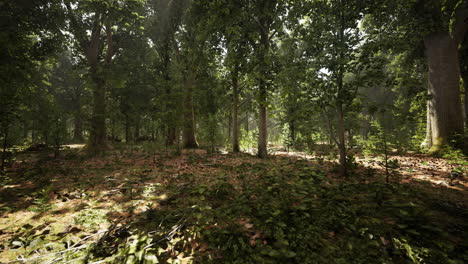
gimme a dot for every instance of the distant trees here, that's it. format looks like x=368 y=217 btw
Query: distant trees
x=239 y=73
x=30 y=33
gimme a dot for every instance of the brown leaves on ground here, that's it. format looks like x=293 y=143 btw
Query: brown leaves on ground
x=122 y=185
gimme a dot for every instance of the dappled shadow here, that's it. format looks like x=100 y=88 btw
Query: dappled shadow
x=144 y=189
x=409 y=167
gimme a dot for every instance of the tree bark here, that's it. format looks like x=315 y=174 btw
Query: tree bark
x=444 y=105
x=137 y=129
x=170 y=136
x=262 y=94
x=97 y=141
x=340 y=100
x=292 y=134
x=127 y=129
x=341 y=141
x=464 y=75
x=247 y=123
x=4 y=148
x=466 y=102
x=169 y=119
x=189 y=139
x=98 y=136
x=428 y=140
x=235 y=108
x=78 y=128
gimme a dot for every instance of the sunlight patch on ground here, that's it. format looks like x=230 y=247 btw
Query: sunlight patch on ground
x=74 y=146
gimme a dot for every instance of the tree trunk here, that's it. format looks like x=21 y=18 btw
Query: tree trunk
x=444 y=106
x=229 y=125
x=169 y=119
x=247 y=123
x=25 y=130
x=262 y=122
x=341 y=141
x=262 y=94
x=4 y=148
x=78 y=128
x=235 y=108
x=98 y=137
x=464 y=75
x=189 y=115
x=97 y=141
x=340 y=101
x=292 y=133
x=466 y=102
x=465 y=139
x=33 y=132
x=127 y=129
x=137 y=129
x=170 y=135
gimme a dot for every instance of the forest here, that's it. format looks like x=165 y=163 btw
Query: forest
x=233 y=131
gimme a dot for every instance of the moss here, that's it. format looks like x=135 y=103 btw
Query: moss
x=437 y=146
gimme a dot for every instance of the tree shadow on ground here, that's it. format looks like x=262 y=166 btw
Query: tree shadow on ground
x=237 y=195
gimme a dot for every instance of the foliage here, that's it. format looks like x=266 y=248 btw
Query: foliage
x=141 y=79
x=308 y=221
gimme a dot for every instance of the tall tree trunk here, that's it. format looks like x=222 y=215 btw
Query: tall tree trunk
x=444 y=106
x=25 y=130
x=262 y=122
x=465 y=139
x=464 y=75
x=112 y=132
x=171 y=136
x=4 y=148
x=137 y=129
x=428 y=140
x=341 y=99
x=78 y=128
x=98 y=136
x=169 y=120
x=292 y=133
x=77 y=116
x=262 y=94
x=341 y=141
x=127 y=129
x=247 y=128
x=189 y=115
x=97 y=141
x=466 y=102
x=235 y=108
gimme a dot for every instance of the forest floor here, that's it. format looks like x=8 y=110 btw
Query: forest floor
x=133 y=205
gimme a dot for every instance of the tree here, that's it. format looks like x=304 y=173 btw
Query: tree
x=464 y=75
x=229 y=19
x=438 y=28
x=24 y=43
x=164 y=23
x=445 y=118
x=104 y=20
x=333 y=36
x=265 y=23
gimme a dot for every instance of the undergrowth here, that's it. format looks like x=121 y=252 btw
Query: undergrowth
x=278 y=211
x=293 y=216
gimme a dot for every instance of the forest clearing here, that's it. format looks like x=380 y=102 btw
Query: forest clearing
x=233 y=131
